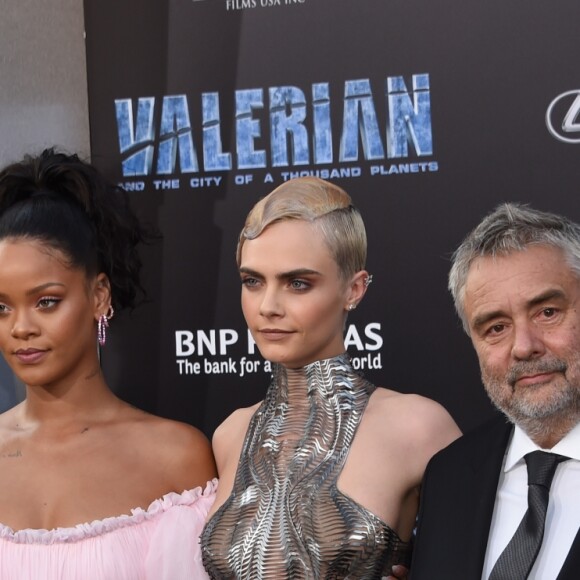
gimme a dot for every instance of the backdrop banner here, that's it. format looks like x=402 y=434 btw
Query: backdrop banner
x=428 y=113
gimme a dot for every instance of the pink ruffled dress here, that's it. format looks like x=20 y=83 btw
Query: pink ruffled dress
x=159 y=543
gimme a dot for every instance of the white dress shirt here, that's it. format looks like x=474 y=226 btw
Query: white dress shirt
x=511 y=503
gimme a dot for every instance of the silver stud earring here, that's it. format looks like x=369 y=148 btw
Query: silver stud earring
x=368 y=280
x=351 y=307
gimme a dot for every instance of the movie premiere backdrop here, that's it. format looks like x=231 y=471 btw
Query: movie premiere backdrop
x=428 y=113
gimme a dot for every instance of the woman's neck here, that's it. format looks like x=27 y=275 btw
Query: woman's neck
x=297 y=384
x=74 y=401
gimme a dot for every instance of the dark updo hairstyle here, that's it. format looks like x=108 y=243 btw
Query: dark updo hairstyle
x=67 y=204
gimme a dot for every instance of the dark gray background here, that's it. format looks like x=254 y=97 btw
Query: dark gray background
x=494 y=68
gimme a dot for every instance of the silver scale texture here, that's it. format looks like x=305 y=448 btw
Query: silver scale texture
x=286 y=517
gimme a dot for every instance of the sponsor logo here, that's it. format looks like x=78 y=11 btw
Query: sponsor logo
x=563 y=117
x=209 y=352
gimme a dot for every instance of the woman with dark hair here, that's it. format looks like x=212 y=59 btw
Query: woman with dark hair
x=91 y=487
x=321 y=479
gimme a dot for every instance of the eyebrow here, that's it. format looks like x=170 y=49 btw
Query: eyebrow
x=550 y=294
x=282 y=275
x=39 y=288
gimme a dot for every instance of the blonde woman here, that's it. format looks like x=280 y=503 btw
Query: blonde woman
x=320 y=479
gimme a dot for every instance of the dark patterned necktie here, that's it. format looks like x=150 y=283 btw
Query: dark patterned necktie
x=516 y=561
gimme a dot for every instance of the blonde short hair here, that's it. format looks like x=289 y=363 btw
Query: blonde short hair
x=324 y=204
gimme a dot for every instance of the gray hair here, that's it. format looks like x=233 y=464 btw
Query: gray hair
x=511 y=228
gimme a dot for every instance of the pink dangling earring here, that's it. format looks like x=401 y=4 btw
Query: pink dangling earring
x=103 y=324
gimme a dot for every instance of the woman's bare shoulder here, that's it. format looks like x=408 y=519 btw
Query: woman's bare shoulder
x=9 y=418
x=234 y=425
x=176 y=432
x=184 y=450
x=228 y=438
x=420 y=422
x=10 y=428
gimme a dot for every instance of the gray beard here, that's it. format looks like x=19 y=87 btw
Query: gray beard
x=552 y=416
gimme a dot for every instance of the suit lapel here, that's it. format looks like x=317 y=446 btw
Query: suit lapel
x=571 y=568
x=486 y=464
x=486 y=469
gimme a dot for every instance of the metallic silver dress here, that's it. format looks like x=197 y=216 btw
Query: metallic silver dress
x=285 y=518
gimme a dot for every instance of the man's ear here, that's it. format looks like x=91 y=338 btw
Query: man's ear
x=102 y=295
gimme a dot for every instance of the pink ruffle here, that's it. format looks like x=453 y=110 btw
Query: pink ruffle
x=100 y=527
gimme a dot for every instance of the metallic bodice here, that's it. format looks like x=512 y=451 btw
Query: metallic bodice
x=285 y=517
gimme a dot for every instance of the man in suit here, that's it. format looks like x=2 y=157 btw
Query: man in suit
x=515 y=281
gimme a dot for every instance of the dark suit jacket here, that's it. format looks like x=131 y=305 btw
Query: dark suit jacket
x=457 y=501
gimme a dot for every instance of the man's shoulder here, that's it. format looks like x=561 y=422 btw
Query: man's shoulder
x=492 y=433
